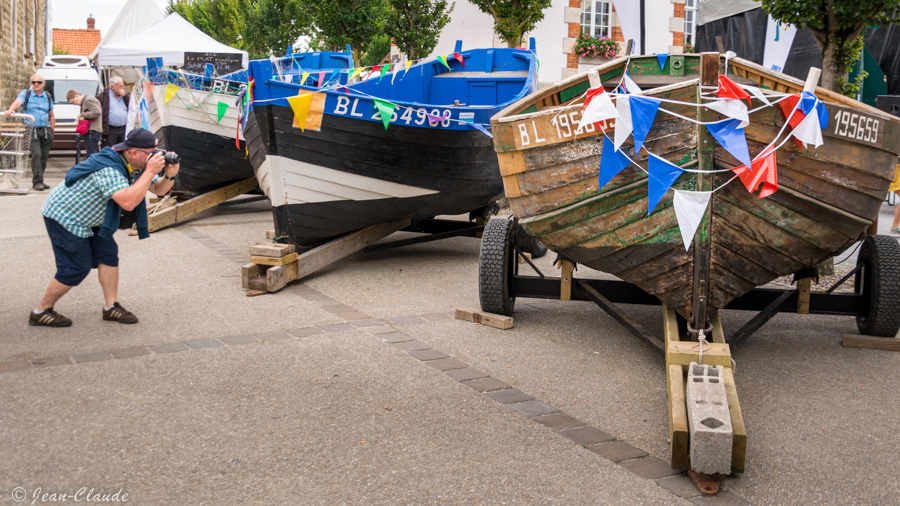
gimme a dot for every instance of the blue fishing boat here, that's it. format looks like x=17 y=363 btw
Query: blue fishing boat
x=411 y=143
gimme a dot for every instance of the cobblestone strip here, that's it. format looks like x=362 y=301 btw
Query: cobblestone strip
x=591 y=438
x=209 y=242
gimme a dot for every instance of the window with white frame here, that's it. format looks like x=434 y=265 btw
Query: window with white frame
x=690 y=22
x=596 y=18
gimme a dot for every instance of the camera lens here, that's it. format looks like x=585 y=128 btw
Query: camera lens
x=172 y=158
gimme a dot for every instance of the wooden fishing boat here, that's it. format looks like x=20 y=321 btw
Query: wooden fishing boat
x=211 y=145
x=347 y=169
x=826 y=197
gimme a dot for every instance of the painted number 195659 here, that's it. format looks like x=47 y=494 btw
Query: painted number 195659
x=856 y=126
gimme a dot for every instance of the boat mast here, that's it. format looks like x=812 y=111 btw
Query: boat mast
x=706 y=150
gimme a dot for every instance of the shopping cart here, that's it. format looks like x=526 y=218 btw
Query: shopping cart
x=15 y=151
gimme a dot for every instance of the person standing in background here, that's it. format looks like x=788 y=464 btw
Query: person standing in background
x=90 y=110
x=114 y=105
x=39 y=104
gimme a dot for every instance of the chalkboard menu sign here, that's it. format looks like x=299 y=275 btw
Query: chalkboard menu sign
x=223 y=63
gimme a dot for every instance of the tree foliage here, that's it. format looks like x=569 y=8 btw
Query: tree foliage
x=837 y=26
x=513 y=18
x=354 y=22
x=260 y=27
x=415 y=25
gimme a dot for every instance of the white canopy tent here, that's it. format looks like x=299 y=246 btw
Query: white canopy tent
x=169 y=38
x=134 y=17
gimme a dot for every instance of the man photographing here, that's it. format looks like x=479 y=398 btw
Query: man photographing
x=114 y=106
x=82 y=215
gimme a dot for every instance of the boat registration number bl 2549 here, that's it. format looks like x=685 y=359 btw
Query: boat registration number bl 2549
x=859 y=127
x=407 y=115
x=549 y=129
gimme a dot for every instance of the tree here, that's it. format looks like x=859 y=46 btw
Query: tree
x=415 y=25
x=513 y=18
x=270 y=26
x=260 y=27
x=837 y=26
x=354 y=22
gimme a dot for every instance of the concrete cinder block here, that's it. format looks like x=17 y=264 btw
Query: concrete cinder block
x=709 y=420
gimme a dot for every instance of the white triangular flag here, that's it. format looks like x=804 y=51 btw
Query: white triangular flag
x=600 y=108
x=808 y=131
x=733 y=108
x=689 y=209
x=623 y=124
x=630 y=85
x=756 y=92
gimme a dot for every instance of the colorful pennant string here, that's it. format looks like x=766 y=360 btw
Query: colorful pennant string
x=222 y=108
x=386 y=110
x=689 y=209
x=171 y=90
x=300 y=106
x=732 y=138
x=643 y=113
x=661 y=175
x=762 y=171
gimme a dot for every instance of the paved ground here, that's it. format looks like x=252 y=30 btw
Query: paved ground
x=357 y=386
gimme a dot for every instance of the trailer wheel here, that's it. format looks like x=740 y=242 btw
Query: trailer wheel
x=879 y=282
x=529 y=244
x=496 y=267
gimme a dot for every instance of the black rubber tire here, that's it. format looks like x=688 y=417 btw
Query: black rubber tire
x=529 y=244
x=496 y=267
x=879 y=282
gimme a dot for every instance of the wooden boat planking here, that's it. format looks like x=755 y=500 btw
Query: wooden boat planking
x=824 y=203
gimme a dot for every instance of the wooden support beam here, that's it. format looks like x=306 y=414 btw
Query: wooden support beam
x=336 y=249
x=188 y=208
x=490 y=319
x=872 y=343
x=803 y=288
x=565 y=279
x=739 y=445
x=678 y=421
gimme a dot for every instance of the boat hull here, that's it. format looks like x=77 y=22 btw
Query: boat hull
x=188 y=125
x=352 y=174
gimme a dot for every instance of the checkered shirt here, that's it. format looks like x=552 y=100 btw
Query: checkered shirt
x=82 y=206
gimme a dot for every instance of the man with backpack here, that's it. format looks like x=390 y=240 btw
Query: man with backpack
x=39 y=104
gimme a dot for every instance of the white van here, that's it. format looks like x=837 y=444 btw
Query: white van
x=61 y=74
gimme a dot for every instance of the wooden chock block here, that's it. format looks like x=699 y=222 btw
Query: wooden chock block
x=272 y=250
x=685 y=352
x=522 y=256
x=270 y=234
x=291 y=257
x=872 y=343
x=490 y=319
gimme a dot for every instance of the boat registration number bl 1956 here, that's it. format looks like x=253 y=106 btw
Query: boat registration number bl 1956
x=859 y=127
x=549 y=129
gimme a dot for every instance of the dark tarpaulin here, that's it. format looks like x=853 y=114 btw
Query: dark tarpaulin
x=745 y=34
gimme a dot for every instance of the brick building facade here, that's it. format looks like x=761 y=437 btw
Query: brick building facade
x=23 y=43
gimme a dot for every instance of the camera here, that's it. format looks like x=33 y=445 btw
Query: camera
x=171 y=158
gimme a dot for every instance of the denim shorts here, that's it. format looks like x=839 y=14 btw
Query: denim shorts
x=76 y=256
